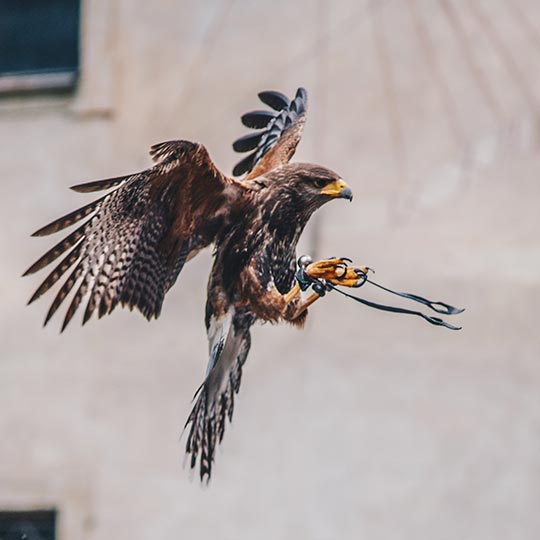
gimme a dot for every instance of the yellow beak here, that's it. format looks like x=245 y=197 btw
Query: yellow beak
x=338 y=189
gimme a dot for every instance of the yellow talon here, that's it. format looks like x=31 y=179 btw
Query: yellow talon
x=337 y=271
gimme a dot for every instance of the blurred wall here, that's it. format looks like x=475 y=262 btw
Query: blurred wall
x=366 y=424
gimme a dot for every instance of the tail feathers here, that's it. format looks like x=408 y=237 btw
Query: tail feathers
x=214 y=405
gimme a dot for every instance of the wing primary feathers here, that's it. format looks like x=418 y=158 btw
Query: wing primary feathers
x=275 y=100
x=55 y=252
x=99 y=185
x=280 y=133
x=79 y=295
x=257 y=119
x=91 y=305
x=70 y=219
x=300 y=101
x=244 y=166
x=247 y=142
x=64 y=291
x=58 y=272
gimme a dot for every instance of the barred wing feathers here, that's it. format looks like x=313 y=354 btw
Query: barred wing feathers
x=279 y=135
x=138 y=236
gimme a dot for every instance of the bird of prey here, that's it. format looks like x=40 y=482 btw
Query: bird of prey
x=134 y=241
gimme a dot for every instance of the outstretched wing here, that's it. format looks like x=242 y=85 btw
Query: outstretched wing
x=138 y=236
x=279 y=134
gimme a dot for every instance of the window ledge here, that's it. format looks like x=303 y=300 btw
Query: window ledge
x=37 y=82
x=87 y=94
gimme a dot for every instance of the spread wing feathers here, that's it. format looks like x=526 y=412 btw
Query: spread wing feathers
x=99 y=185
x=274 y=99
x=229 y=346
x=280 y=133
x=138 y=236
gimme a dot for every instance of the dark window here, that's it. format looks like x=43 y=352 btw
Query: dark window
x=39 y=40
x=29 y=525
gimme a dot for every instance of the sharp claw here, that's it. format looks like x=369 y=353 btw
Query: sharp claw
x=363 y=277
x=364 y=270
x=344 y=268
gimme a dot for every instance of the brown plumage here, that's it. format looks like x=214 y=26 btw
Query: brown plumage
x=134 y=241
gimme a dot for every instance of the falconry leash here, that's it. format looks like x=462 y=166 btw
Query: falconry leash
x=322 y=286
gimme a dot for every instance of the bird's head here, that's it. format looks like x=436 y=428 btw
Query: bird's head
x=310 y=186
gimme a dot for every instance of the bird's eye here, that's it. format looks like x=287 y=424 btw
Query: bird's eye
x=319 y=183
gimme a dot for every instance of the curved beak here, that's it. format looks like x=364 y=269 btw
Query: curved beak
x=338 y=189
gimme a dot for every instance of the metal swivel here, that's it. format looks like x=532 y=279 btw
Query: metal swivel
x=304 y=261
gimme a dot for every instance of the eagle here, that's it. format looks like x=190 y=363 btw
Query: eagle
x=132 y=243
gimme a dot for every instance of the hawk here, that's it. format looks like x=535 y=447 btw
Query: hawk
x=134 y=241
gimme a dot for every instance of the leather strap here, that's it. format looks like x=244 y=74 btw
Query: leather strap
x=320 y=286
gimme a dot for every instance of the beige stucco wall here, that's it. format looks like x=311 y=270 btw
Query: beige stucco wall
x=367 y=424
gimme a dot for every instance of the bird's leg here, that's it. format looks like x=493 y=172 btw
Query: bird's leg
x=295 y=305
x=336 y=271
x=291 y=313
x=301 y=306
x=292 y=294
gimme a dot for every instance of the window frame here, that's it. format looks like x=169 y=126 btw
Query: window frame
x=47 y=79
x=44 y=520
